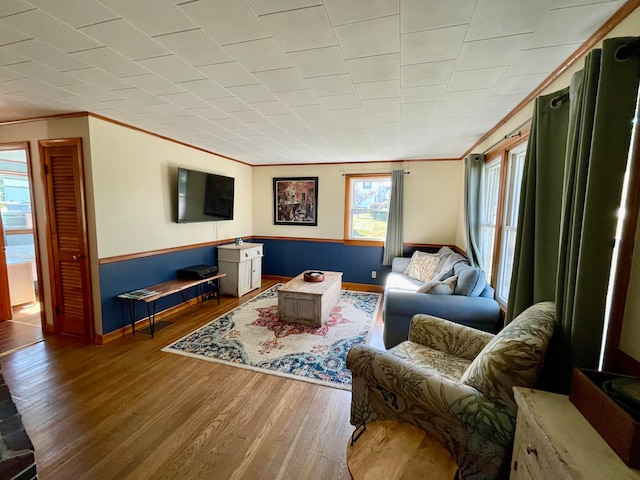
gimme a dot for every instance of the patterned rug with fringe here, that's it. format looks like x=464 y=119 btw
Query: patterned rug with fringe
x=252 y=337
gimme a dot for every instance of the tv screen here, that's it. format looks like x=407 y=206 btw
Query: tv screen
x=204 y=197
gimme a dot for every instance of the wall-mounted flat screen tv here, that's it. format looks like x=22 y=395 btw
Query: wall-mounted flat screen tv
x=204 y=197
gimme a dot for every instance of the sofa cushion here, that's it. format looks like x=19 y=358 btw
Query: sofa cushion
x=471 y=280
x=514 y=357
x=422 y=266
x=440 y=287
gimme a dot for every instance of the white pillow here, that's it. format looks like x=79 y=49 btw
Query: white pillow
x=443 y=287
x=422 y=266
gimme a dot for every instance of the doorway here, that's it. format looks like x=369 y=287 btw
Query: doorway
x=20 y=305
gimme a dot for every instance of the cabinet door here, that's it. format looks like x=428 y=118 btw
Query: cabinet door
x=256 y=273
x=244 y=277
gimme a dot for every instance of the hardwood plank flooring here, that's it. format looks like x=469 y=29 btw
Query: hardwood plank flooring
x=125 y=410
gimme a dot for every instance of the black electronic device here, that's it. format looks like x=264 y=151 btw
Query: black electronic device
x=204 y=197
x=197 y=272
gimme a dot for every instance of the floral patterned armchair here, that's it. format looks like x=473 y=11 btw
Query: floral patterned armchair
x=456 y=383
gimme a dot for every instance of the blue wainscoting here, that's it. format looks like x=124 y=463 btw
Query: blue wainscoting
x=127 y=275
x=282 y=257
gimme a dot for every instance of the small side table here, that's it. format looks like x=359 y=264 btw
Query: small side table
x=390 y=450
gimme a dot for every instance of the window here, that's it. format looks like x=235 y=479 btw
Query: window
x=367 y=206
x=500 y=201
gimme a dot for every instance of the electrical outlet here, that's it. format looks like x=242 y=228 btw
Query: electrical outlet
x=373 y=274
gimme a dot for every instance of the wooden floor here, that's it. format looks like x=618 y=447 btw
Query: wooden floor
x=126 y=410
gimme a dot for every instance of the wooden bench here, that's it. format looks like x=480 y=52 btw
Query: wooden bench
x=151 y=294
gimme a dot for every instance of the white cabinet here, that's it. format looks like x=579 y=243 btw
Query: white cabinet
x=553 y=440
x=243 y=266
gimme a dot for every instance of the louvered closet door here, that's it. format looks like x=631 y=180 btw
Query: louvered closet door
x=67 y=236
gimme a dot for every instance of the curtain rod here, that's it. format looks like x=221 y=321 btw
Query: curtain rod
x=369 y=174
x=513 y=133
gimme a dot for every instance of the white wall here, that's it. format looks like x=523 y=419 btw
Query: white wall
x=134 y=185
x=430 y=202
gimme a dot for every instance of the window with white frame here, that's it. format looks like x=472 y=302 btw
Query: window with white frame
x=367 y=203
x=510 y=220
x=490 y=190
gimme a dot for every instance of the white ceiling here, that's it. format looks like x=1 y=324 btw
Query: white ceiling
x=290 y=81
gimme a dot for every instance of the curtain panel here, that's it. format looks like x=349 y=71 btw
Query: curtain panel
x=473 y=164
x=571 y=193
x=393 y=245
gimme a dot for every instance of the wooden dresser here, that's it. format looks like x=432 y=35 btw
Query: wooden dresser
x=243 y=266
x=554 y=441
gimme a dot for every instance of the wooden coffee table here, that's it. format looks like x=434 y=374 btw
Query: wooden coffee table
x=389 y=450
x=309 y=303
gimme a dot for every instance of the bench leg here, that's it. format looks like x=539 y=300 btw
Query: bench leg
x=151 y=312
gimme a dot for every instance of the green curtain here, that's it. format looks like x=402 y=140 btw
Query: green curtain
x=473 y=176
x=570 y=201
x=393 y=245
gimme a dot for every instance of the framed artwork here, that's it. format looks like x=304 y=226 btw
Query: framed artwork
x=295 y=201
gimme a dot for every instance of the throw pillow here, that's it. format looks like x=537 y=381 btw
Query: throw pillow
x=471 y=280
x=422 y=266
x=443 y=287
x=514 y=357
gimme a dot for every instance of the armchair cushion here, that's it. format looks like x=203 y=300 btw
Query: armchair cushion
x=435 y=362
x=514 y=357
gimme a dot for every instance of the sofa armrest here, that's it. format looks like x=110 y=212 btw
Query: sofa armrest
x=399 y=264
x=446 y=336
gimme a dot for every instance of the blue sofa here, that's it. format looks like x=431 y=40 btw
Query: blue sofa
x=472 y=304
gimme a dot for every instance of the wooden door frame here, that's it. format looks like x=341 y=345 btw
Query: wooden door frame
x=26 y=146
x=53 y=281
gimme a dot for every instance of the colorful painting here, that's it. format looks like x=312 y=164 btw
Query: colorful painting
x=295 y=201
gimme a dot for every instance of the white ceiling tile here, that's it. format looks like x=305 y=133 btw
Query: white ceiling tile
x=282 y=79
x=185 y=100
x=335 y=102
x=298 y=97
x=269 y=108
x=310 y=111
x=43 y=53
x=540 y=60
x=560 y=28
x=229 y=104
x=262 y=7
x=331 y=85
x=50 y=30
x=456 y=111
x=248 y=116
x=285 y=119
x=376 y=68
x=472 y=79
x=227 y=21
x=319 y=62
x=424 y=93
x=370 y=37
x=384 y=117
x=417 y=15
x=209 y=113
x=385 y=89
x=342 y=12
x=171 y=68
x=10 y=58
x=432 y=45
x=89 y=91
x=421 y=108
x=11 y=35
x=500 y=102
x=109 y=61
x=170 y=110
x=523 y=18
x=6 y=74
x=301 y=29
x=124 y=38
x=77 y=13
x=468 y=97
x=154 y=17
x=382 y=105
x=37 y=70
x=204 y=88
x=494 y=52
x=31 y=84
x=257 y=55
x=11 y=7
x=126 y=107
x=228 y=74
x=153 y=84
x=182 y=44
x=523 y=84
x=140 y=96
x=251 y=93
x=427 y=73
x=98 y=78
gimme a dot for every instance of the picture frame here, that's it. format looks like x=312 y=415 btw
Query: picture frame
x=295 y=201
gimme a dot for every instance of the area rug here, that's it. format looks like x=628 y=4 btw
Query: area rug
x=252 y=337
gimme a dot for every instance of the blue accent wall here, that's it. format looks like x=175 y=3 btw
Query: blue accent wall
x=282 y=257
